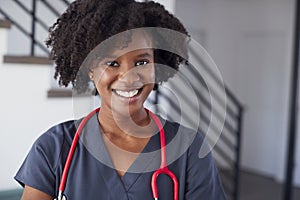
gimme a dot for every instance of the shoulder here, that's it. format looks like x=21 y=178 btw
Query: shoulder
x=39 y=167
x=202 y=178
x=192 y=143
x=64 y=131
x=188 y=136
x=54 y=140
x=182 y=141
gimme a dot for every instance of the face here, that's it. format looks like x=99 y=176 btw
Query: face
x=125 y=78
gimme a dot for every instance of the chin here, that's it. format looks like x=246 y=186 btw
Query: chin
x=127 y=110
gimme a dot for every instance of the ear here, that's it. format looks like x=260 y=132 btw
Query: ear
x=91 y=75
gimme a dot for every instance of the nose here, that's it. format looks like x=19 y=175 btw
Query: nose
x=129 y=75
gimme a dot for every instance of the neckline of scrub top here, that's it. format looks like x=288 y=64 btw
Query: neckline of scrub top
x=147 y=161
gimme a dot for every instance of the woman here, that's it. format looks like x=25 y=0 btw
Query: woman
x=119 y=147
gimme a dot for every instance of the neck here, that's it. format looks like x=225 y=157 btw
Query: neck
x=137 y=124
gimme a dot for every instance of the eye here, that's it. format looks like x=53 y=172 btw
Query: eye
x=142 y=62
x=112 y=64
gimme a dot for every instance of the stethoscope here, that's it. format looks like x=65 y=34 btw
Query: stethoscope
x=163 y=169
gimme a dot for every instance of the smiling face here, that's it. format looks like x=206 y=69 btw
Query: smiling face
x=125 y=77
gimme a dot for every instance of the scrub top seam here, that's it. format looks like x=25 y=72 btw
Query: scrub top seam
x=60 y=153
x=139 y=175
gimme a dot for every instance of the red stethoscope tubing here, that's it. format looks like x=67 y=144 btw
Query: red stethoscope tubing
x=163 y=169
x=163 y=166
x=72 y=149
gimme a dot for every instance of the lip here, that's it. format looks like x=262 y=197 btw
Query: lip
x=128 y=99
x=127 y=88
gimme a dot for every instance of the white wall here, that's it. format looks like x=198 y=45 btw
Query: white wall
x=251 y=43
x=169 y=4
x=26 y=112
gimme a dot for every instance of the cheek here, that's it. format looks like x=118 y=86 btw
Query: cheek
x=103 y=78
x=148 y=74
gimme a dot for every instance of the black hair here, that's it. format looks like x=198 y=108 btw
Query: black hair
x=87 y=23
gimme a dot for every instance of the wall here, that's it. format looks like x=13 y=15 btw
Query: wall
x=26 y=112
x=250 y=41
x=169 y=4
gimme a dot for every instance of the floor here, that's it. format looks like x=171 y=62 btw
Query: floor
x=254 y=187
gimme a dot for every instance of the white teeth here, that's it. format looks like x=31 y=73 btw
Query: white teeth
x=127 y=94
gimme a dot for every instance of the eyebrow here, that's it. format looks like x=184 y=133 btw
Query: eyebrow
x=109 y=56
x=143 y=55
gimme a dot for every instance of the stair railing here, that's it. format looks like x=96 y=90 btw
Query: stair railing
x=34 y=21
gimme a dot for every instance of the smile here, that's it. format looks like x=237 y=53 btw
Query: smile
x=128 y=94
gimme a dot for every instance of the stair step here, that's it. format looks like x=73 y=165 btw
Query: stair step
x=59 y=93
x=27 y=60
x=67 y=92
x=5 y=23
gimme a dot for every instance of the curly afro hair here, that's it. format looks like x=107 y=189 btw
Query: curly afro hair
x=87 y=23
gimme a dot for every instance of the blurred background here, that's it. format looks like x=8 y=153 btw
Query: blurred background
x=250 y=41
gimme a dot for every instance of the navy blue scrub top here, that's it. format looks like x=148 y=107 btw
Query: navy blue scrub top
x=92 y=176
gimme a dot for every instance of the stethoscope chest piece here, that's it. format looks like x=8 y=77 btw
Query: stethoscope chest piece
x=60 y=196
